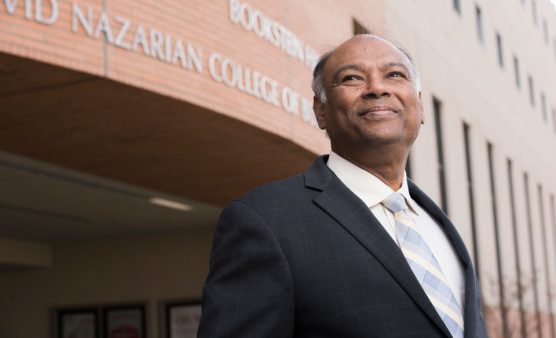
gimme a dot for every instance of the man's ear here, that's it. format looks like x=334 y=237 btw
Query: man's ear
x=421 y=109
x=318 y=108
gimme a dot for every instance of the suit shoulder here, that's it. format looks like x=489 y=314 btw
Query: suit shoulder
x=275 y=189
x=279 y=193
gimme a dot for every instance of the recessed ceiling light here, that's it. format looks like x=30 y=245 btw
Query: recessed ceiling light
x=170 y=204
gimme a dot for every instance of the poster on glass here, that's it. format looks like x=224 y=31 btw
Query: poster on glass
x=124 y=321
x=182 y=319
x=77 y=323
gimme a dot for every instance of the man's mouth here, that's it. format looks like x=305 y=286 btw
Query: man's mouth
x=377 y=111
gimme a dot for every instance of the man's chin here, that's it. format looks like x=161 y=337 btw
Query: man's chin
x=383 y=139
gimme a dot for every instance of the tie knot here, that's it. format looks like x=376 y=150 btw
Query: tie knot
x=395 y=202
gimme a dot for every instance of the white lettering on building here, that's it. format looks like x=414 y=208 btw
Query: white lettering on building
x=253 y=20
x=232 y=74
x=46 y=17
x=120 y=42
x=122 y=33
x=162 y=46
x=290 y=100
x=10 y=6
x=49 y=20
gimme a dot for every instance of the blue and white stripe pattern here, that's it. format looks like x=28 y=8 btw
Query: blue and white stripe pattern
x=425 y=266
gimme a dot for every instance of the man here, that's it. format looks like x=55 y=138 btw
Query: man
x=350 y=248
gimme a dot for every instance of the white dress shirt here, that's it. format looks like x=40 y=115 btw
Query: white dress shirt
x=372 y=191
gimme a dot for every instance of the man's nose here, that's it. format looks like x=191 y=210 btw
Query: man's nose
x=375 y=88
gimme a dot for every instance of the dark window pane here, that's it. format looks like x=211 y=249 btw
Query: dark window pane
x=500 y=49
x=516 y=71
x=497 y=236
x=440 y=153
x=479 y=23
x=471 y=197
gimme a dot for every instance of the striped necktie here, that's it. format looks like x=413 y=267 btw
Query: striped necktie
x=425 y=266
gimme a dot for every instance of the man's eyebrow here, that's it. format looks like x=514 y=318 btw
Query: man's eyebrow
x=348 y=66
x=395 y=64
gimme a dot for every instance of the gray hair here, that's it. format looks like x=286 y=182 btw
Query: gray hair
x=318 y=72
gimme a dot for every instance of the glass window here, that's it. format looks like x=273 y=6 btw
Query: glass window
x=553 y=211
x=479 y=22
x=440 y=153
x=545 y=31
x=358 y=28
x=534 y=10
x=457 y=6
x=531 y=90
x=544 y=107
x=545 y=238
x=554 y=45
x=516 y=71
x=408 y=167
x=534 y=259
x=554 y=120
x=520 y=277
x=471 y=196
x=497 y=240
x=500 y=49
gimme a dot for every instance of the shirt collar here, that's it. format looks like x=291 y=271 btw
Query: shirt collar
x=369 y=188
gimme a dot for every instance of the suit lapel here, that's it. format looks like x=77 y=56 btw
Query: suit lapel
x=449 y=229
x=471 y=292
x=354 y=216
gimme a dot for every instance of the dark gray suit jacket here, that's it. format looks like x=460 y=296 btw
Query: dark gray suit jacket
x=304 y=257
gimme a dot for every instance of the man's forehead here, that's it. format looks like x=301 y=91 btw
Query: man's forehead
x=367 y=48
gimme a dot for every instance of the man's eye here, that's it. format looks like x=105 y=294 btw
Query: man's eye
x=351 y=78
x=397 y=74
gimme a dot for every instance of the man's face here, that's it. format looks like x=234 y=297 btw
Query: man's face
x=371 y=97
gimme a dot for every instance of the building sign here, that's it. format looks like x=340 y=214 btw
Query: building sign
x=119 y=31
x=253 y=20
x=34 y=10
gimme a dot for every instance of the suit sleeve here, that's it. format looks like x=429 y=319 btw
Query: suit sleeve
x=249 y=290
